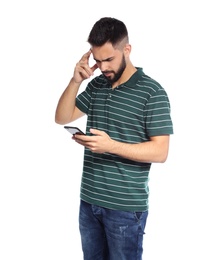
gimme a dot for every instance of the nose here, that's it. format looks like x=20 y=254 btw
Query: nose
x=102 y=66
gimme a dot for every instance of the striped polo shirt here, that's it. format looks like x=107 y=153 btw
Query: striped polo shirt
x=130 y=113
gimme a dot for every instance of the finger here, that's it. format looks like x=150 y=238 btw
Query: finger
x=84 y=69
x=85 y=73
x=86 y=56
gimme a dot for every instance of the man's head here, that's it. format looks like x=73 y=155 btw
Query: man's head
x=106 y=30
x=110 y=48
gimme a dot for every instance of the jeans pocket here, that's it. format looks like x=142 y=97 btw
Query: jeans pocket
x=138 y=215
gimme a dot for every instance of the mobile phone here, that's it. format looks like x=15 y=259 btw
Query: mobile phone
x=74 y=130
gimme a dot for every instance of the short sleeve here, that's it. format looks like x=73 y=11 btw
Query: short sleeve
x=157 y=114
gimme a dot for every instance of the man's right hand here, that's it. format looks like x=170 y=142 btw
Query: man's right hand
x=82 y=70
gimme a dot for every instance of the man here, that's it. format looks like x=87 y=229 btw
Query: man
x=128 y=128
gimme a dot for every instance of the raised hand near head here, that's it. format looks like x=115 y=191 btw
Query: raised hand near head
x=82 y=70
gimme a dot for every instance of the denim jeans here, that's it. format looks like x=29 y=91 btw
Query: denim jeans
x=111 y=234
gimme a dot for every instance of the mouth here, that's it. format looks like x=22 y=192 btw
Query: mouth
x=107 y=74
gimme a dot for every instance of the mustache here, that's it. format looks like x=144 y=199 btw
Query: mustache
x=107 y=71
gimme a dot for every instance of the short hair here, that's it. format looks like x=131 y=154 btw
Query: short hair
x=107 y=29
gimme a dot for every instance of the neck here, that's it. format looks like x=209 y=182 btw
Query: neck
x=126 y=75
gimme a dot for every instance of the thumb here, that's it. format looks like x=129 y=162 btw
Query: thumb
x=95 y=131
x=93 y=68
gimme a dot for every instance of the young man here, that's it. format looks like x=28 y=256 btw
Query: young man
x=128 y=128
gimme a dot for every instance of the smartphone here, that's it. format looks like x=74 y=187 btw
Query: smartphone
x=74 y=130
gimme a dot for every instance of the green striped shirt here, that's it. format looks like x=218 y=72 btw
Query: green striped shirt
x=131 y=113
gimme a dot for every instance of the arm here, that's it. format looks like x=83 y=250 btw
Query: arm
x=155 y=150
x=66 y=110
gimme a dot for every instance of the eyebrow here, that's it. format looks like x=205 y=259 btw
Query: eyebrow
x=104 y=59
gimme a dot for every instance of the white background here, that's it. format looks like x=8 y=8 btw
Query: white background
x=178 y=43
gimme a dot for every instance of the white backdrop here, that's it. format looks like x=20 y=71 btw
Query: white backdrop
x=178 y=43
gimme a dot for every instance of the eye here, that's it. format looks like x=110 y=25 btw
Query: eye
x=106 y=60
x=97 y=61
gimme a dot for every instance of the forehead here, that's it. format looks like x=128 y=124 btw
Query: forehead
x=104 y=52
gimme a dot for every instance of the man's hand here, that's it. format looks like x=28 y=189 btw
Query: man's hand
x=82 y=70
x=100 y=142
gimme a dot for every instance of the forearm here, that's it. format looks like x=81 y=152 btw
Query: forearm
x=150 y=151
x=66 y=105
x=155 y=150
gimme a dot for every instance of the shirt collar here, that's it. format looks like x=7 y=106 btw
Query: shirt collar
x=134 y=78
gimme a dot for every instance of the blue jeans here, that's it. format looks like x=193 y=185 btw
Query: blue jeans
x=111 y=234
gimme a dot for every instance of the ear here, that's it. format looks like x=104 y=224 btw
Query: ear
x=127 y=49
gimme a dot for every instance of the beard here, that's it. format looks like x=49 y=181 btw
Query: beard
x=116 y=74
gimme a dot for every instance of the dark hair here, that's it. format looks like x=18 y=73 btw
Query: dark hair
x=107 y=29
